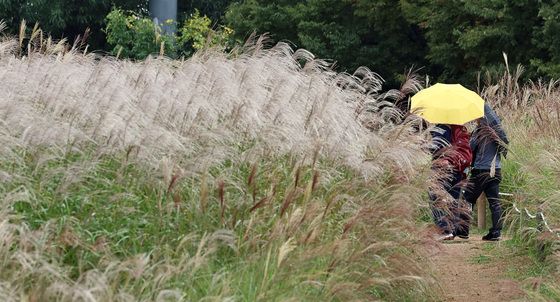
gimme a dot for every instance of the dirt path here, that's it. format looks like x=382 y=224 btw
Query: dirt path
x=468 y=272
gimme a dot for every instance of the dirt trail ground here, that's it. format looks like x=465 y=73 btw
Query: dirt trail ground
x=467 y=272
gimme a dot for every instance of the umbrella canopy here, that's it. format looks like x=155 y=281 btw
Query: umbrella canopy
x=448 y=104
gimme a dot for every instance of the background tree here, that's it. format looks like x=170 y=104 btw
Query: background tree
x=468 y=36
x=452 y=40
x=351 y=32
x=547 y=40
x=66 y=18
x=213 y=9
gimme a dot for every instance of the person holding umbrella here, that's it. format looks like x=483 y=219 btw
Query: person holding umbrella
x=449 y=106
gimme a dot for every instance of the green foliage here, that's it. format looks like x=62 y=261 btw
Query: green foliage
x=465 y=37
x=547 y=38
x=452 y=40
x=197 y=32
x=133 y=36
x=214 y=9
x=353 y=33
x=130 y=32
x=66 y=18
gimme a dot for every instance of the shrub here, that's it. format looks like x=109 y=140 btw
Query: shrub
x=197 y=33
x=134 y=36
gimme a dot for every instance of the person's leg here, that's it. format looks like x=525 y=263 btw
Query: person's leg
x=454 y=186
x=439 y=213
x=462 y=224
x=474 y=186
x=492 y=191
x=457 y=210
x=472 y=192
x=442 y=209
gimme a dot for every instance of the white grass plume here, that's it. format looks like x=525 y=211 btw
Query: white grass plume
x=198 y=109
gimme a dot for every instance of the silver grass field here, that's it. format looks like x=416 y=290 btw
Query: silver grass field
x=259 y=174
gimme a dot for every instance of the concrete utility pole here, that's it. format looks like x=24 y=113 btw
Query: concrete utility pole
x=162 y=11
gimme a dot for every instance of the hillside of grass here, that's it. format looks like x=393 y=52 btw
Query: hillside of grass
x=256 y=175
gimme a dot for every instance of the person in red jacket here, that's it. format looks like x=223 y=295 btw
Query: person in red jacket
x=451 y=154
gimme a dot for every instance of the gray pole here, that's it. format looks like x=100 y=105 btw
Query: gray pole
x=163 y=10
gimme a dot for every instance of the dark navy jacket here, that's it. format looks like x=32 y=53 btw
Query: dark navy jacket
x=488 y=141
x=441 y=138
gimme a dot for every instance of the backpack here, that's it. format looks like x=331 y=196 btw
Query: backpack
x=460 y=155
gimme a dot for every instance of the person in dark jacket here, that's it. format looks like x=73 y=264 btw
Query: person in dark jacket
x=488 y=143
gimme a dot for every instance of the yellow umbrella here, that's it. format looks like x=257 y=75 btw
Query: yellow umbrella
x=448 y=104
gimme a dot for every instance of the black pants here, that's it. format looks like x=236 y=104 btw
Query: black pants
x=481 y=181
